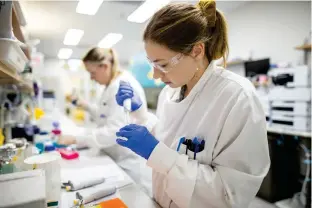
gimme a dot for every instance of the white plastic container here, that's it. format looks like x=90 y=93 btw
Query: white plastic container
x=50 y=162
x=12 y=55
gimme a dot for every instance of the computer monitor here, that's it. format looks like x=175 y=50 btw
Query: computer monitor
x=253 y=68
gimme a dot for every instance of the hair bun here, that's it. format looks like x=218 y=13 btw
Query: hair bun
x=208 y=8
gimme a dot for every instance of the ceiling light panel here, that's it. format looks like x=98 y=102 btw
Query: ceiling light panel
x=73 y=37
x=146 y=10
x=88 y=7
x=109 y=40
x=64 y=53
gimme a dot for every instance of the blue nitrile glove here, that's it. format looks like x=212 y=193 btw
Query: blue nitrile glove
x=140 y=140
x=125 y=91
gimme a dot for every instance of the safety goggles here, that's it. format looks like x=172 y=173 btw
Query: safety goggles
x=165 y=68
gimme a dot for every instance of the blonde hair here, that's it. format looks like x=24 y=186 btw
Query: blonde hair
x=180 y=26
x=97 y=55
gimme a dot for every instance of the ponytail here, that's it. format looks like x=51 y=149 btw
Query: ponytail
x=217 y=37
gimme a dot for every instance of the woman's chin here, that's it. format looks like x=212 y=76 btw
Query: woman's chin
x=172 y=85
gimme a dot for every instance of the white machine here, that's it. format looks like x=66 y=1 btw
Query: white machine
x=286 y=108
x=299 y=123
x=290 y=99
x=280 y=93
x=298 y=76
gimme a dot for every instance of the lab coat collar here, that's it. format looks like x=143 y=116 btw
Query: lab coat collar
x=198 y=86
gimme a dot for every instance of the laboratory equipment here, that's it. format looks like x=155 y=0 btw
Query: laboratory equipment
x=50 y=163
x=49 y=101
x=12 y=155
x=284 y=108
x=299 y=123
x=56 y=132
x=68 y=154
x=82 y=198
x=126 y=91
x=6 y=122
x=253 y=68
x=26 y=131
x=23 y=150
x=130 y=103
x=298 y=76
x=23 y=189
x=127 y=108
x=49 y=146
x=7 y=153
x=74 y=185
x=25 y=117
x=289 y=98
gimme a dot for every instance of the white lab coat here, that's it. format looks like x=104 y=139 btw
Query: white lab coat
x=222 y=109
x=110 y=117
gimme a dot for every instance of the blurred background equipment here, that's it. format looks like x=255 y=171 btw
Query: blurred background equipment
x=253 y=68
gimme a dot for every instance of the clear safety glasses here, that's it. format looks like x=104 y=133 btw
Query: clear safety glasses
x=165 y=68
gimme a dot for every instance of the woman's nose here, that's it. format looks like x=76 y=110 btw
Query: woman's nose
x=157 y=74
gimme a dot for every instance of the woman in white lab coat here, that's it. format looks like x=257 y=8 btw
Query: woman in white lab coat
x=102 y=64
x=208 y=145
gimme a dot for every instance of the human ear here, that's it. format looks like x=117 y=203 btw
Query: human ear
x=198 y=51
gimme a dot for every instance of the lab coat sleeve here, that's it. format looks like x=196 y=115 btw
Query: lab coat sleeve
x=92 y=109
x=148 y=119
x=240 y=161
x=104 y=136
x=144 y=118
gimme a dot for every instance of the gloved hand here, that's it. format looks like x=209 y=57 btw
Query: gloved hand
x=125 y=91
x=140 y=140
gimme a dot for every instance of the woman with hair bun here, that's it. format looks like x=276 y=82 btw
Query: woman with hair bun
x=208 y=145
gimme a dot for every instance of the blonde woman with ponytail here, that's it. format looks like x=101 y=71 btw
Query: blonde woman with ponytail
x=102 y=65
x=208 y=144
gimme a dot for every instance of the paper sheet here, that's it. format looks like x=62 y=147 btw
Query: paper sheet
x=106 y=171
x=111 y=173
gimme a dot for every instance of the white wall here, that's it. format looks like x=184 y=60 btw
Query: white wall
x=269 y=29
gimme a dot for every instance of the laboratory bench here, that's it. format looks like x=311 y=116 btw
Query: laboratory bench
x=129 y=192
x=282 y=131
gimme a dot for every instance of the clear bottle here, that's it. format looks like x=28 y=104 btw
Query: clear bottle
x=56 y=132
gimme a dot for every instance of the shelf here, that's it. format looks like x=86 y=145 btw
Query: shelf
x=304 y=47
x=8 y=77
x=18 y=31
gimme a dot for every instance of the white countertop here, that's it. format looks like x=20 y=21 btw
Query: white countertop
x=128 y=192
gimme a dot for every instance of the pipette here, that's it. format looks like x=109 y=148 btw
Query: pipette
x=127 y=108
x=84 y=183
x=82 y=198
